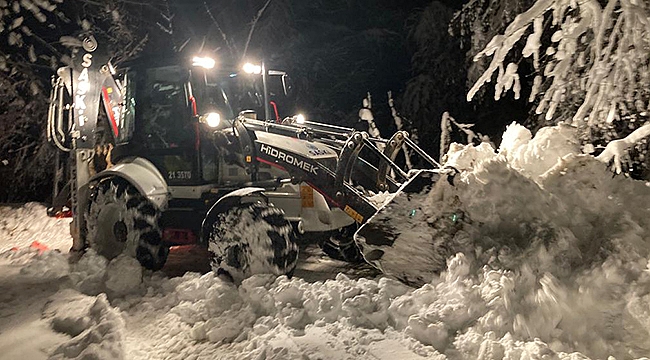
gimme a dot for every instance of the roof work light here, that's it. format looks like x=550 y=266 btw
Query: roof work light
x=204 y=62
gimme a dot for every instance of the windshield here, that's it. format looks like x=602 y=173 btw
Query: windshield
x=248 y=94
x=211 y=94
x=230 y=93
x=162 y=109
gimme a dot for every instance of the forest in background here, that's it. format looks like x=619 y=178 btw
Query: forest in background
x=337 y=51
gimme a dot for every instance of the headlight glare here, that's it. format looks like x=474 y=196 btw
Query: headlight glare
x=212 y=119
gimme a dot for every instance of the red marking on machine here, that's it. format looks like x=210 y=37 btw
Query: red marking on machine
x=193 y=102
x=179 y=236
x=275 y=109
x=109 y=109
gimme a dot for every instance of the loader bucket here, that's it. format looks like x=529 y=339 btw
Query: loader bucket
x=396 y=239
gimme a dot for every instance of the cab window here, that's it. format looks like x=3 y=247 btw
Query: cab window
x=163 y=110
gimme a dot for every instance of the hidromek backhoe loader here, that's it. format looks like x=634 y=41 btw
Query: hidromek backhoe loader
x=173 y=163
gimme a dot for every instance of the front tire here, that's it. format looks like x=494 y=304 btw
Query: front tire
x=121 y=220
x=252 y=239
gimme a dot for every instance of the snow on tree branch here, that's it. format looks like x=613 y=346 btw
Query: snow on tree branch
x=252 y=28
x=597 y=60
x=500 y=45
x=399 y=125
x=617 y=149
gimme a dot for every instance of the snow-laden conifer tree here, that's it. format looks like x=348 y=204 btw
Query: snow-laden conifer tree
x=591 y=62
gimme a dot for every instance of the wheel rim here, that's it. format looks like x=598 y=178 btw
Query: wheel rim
x=119 y=220
x=119 y=231
x=111 y=231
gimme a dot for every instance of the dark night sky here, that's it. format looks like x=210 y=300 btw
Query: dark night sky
x=336 y=52
x=363 y=44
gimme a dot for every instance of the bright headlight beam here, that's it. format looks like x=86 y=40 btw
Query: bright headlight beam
x=251 y=68
x=204 y=62
x=213 y=119
x=300 y=119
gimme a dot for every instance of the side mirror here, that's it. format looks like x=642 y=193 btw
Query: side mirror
x=287 y=85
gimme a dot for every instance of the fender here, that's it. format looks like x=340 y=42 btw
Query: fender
x=225 y=203
x=142 y=174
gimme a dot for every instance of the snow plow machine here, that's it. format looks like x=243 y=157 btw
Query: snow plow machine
x=179 y=157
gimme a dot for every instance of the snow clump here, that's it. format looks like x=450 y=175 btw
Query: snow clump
x=100 y=329
x=123 y=275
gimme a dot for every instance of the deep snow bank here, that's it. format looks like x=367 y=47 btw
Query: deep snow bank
x=556 y=248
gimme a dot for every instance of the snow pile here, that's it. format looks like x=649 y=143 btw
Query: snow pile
x=530 y=156
x=491 y=315
x=66 y=310
x=93 y=274
x=88 y=274
x=552 y=250
x=50 y=265
x=466 y=157
x=380 y=198
x=576 y=248
x=21 y=226
x=94 y=329
x=272 y=318
x=38 y=263
x=496 y=211
x=533 y=157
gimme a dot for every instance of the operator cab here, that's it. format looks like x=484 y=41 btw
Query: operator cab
x=180 y=117
x=159 y=109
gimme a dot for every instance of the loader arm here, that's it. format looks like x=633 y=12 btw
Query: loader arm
x=305 y=161
x=329 y=159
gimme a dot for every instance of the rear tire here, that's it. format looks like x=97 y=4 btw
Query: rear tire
x=121 y=220
x=252 y=239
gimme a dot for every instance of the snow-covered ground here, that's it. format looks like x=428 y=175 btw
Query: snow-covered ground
x=545 y=256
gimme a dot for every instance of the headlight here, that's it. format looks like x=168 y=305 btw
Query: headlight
x=251 y=68
x=211 y=119
x=296 y=119
x=204 y=62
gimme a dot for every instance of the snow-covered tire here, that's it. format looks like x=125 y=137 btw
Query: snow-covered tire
x=121 y=220
x=340 y=245
x=252 y=239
